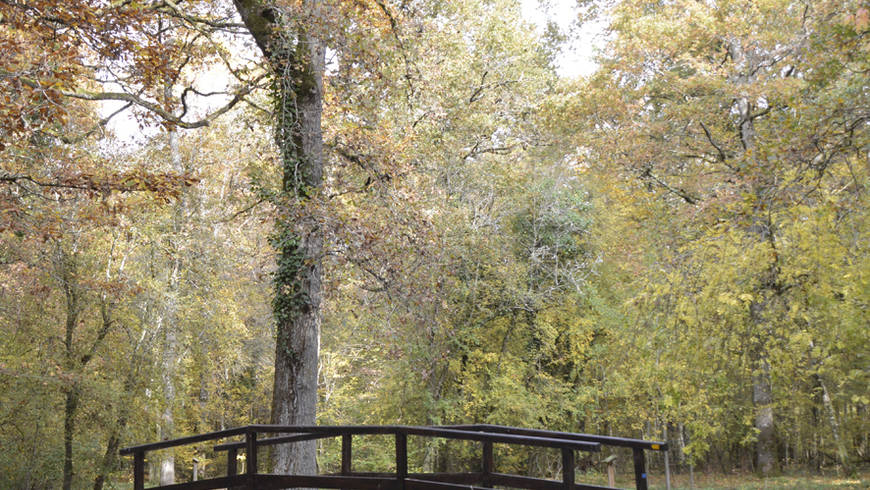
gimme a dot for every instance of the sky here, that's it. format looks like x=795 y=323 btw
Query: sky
x=576 y=57
x=574 y=60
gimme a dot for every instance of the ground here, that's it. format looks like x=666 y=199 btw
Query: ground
x=743 y=481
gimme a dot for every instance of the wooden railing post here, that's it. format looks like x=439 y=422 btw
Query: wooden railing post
x=639 y=469
x=346 y=452
x=139 y=470
x=401 y=458
x=488 y=463
x=232 y=462
x=568 y=468
x=251 y=453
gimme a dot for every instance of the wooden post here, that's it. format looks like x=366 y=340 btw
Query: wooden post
x=639 y=469
x=346 y=453
x=232 y=462
x=195 y=469
x=251 y=453
x=401 y=458
x=568 y=468
x=139 y=470
x=488 y=463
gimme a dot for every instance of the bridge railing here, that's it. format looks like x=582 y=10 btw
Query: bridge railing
x=487 y=435
x=637 y=446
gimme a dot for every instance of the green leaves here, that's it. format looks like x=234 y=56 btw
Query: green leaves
x=717 y=129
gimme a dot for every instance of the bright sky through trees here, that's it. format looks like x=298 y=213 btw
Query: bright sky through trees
x=574 y=59
x=576 y=56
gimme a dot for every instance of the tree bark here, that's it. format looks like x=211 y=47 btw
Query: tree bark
x=170 y=347
x=67 y=268
x=296 y=56
x=110 y=457
x=112 y=446
x=842 y=454
x=69 y=414
x=762 y=399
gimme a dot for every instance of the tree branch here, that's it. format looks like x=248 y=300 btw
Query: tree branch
x=97 y=127
x=722 y=156
x=171 y=8
x=679 y=192
x=156 y=109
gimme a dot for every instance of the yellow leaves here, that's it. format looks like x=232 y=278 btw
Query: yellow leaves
x=727 y=299
x=861 y=400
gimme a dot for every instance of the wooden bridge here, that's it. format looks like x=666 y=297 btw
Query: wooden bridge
x=486 y=478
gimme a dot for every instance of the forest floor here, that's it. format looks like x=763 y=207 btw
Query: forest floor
x=743 y=481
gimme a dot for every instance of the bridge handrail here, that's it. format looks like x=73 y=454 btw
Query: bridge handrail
x=318 y=432
x=604 y=440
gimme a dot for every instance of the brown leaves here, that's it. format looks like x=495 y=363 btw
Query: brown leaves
x=163 y=185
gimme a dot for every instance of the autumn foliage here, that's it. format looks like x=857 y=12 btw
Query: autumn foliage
x=674 y=247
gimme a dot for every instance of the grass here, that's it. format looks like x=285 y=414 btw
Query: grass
x=752 y=481
x=741 y=481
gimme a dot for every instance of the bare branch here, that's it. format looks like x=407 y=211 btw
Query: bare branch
x=690 y=199
x=722 y=156
x=171 y=8
x=97 y=127
x=167 y=116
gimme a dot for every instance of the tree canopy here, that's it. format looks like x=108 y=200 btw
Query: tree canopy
x=397 y=212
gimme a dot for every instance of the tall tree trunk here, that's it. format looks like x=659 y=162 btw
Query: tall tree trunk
x=69 y=414
x=166 y=424
x=66 y=266
x=75 y=359
x=112 y=446
x=766 y=458
x=170 y=347
x=760 y=226
x=296 y=55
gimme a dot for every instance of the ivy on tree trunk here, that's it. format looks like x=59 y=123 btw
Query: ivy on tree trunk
x=297 y=59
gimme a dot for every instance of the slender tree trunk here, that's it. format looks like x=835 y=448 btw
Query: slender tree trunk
x=167 y=420
x=296 y=54
x=69 y=413
x=114 y=442
x=842 y=454
x=111 y=453
x=170 y=349
x=67 y=268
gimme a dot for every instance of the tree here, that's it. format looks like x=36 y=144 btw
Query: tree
x=735 y=121
x=456 y=270
x=290 y=40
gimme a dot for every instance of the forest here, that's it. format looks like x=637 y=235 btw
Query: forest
x=223 y=212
